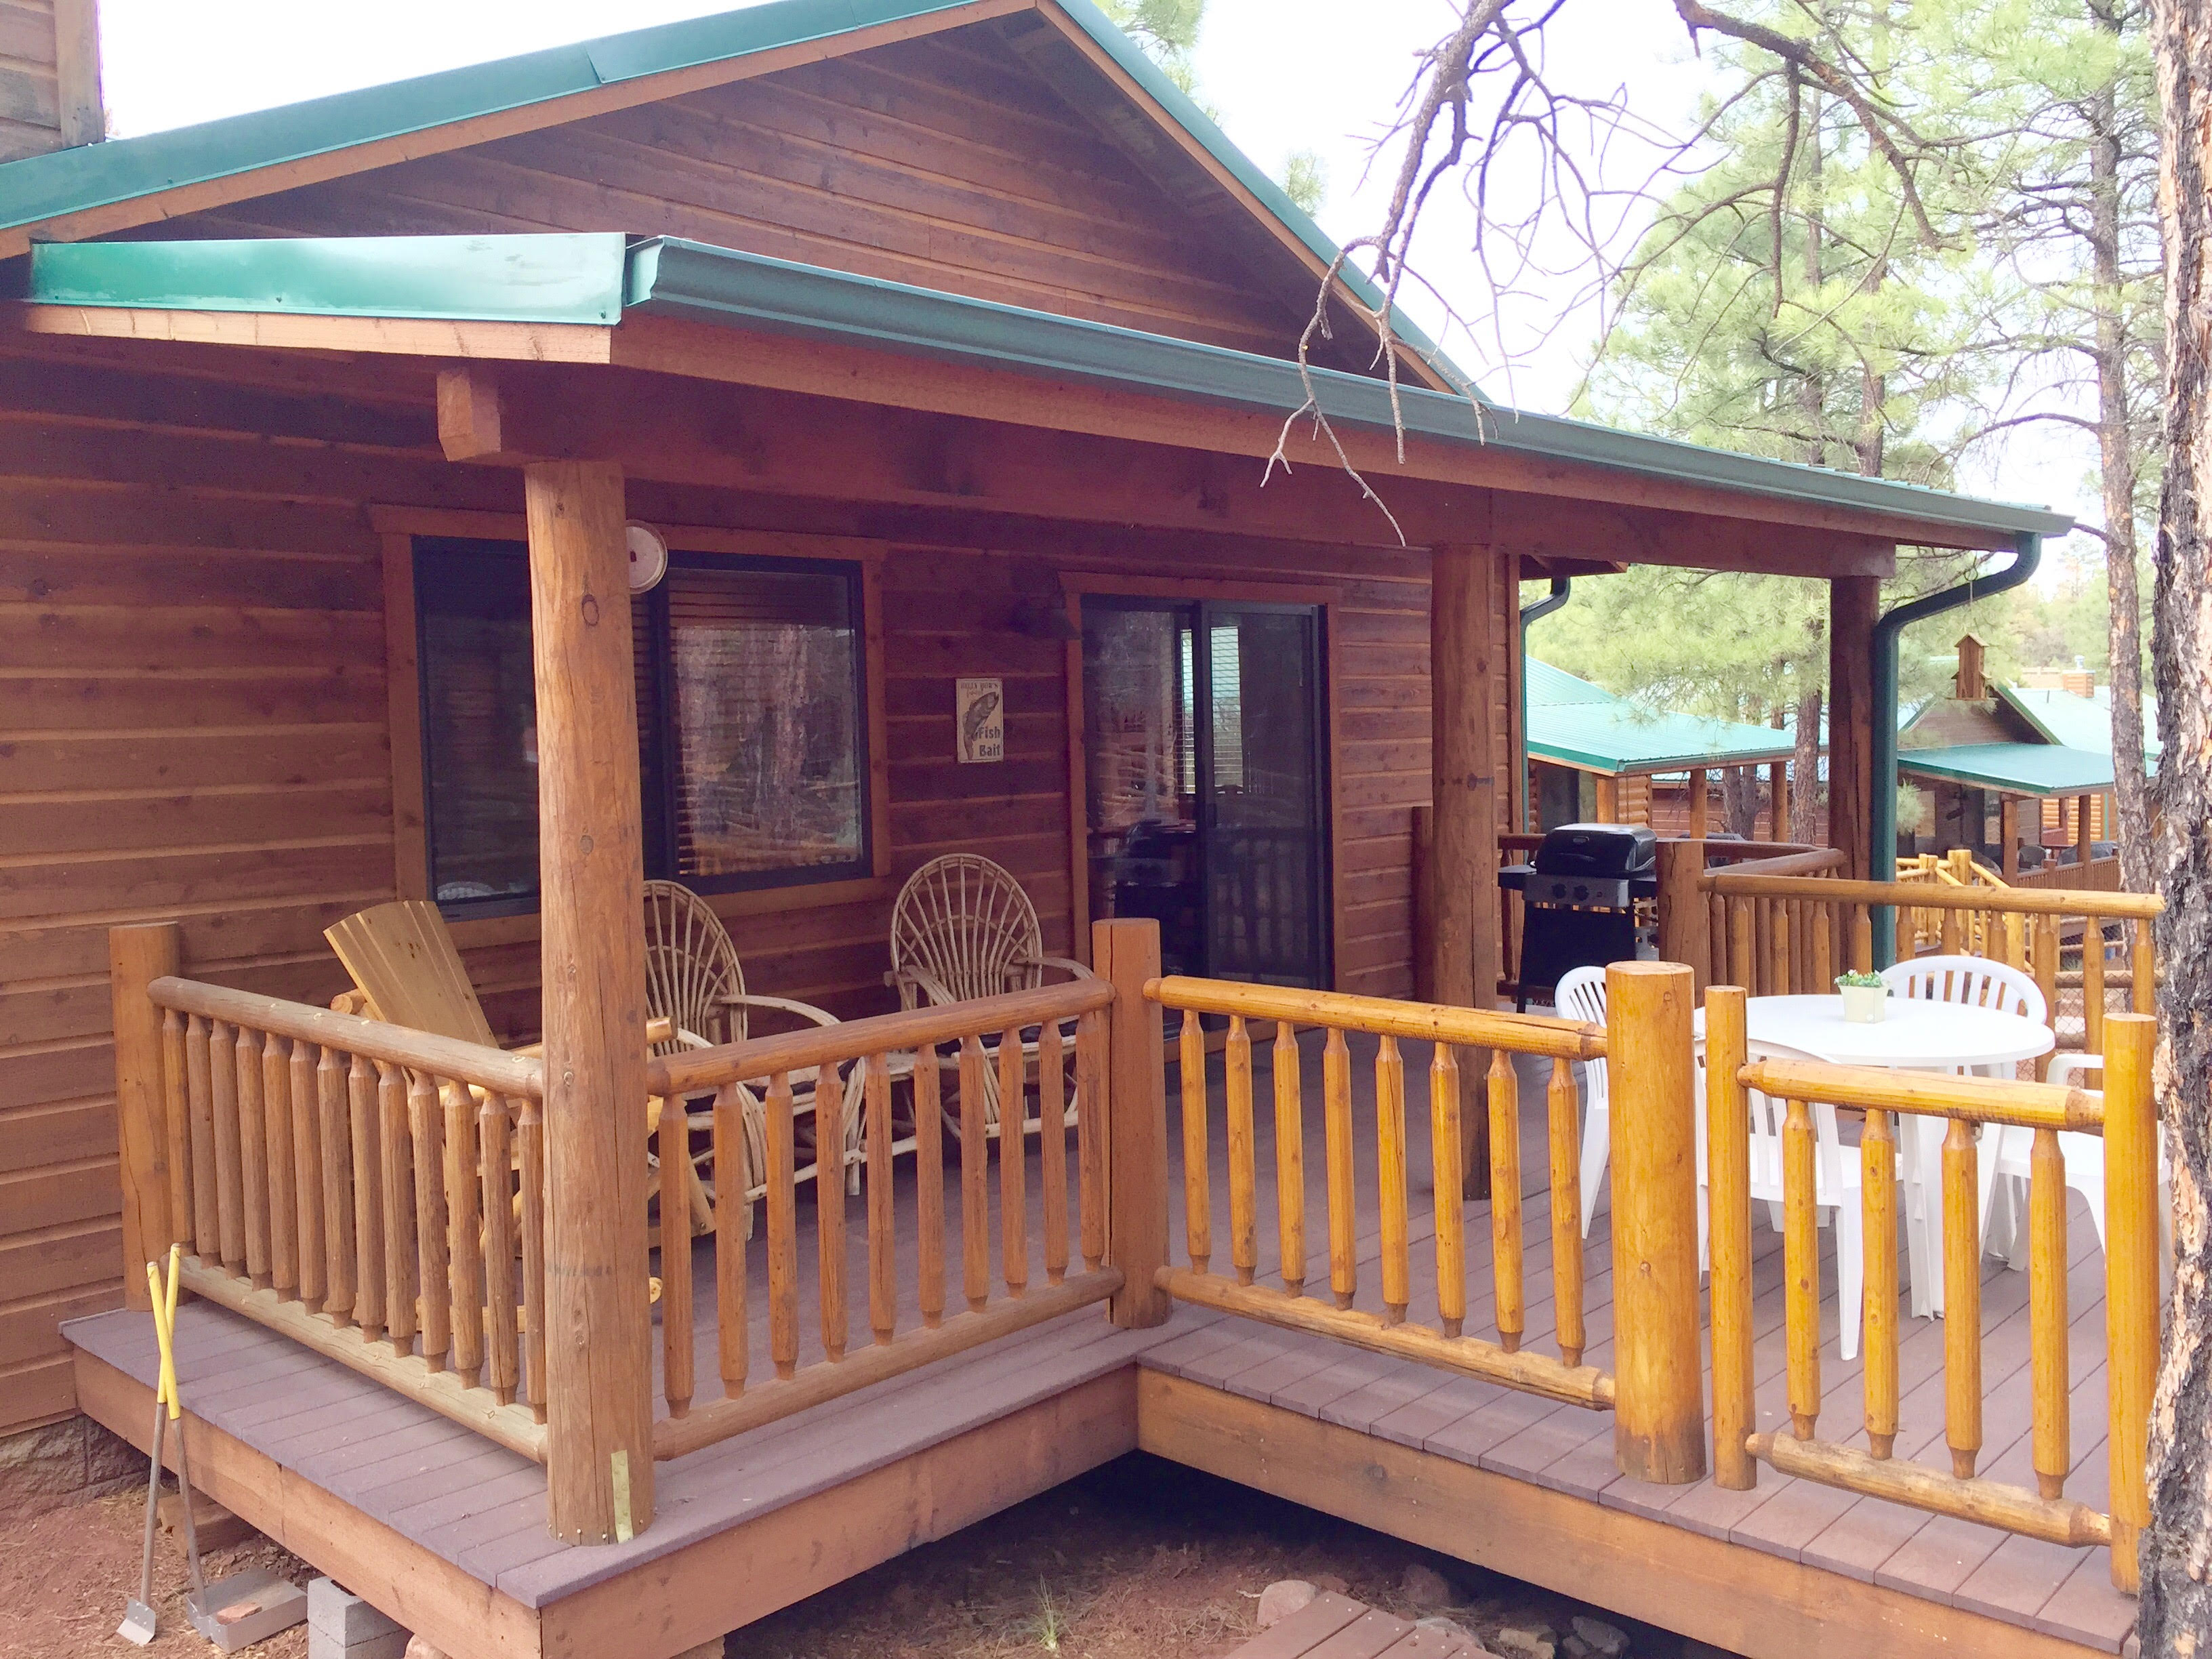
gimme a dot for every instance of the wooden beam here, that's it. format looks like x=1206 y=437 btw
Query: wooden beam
x=1743 y=1602
x=1562 y=526
x=784 y=444
x=1700 y=793
x=1853 y=602
x=408 y=336
x=598 y=1361
x=1735 y=520
x=1463 y=793
x=2009 y=835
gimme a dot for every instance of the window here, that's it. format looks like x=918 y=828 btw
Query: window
x=752 y=728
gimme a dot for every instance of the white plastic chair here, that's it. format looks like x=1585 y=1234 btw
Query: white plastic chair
x=1836 y=1182
x=2085 y=1163
x=1968 y=982
x=1581 y=995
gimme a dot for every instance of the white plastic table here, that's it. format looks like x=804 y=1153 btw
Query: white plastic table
x=1916 y=1035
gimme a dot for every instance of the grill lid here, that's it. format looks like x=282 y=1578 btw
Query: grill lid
x=1598 y=849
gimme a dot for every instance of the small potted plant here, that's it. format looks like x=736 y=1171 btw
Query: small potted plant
x=1866 y=998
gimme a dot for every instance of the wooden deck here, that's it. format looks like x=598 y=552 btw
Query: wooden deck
x=448 y=1533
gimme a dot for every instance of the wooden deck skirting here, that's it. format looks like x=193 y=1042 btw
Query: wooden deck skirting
x=1762 y=1605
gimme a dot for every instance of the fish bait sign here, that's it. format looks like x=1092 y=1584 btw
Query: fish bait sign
x=980 y=720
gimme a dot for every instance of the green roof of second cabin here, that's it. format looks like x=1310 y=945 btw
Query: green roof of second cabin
x=1574 y=723
x=2013 y=769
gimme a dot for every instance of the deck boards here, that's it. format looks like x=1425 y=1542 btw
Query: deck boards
x=483 y=1509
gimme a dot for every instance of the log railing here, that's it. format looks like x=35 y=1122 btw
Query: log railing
x=1779 y=935
x=1018 y=1037
x=2124 y=1114
x=374 y=1193
x=1297 y=1304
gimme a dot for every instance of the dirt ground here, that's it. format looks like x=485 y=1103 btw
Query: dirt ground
x=1142 y=1559
x=65 y=1575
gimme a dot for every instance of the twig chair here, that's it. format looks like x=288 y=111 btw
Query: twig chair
x=963 y=929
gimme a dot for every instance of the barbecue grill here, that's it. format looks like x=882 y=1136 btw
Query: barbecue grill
x=1579 y=898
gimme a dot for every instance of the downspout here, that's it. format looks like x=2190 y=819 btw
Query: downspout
x=2028 y=552
x=1561 y=587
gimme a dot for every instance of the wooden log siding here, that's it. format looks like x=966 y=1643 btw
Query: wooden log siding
x=944 y=163
x=196 y=726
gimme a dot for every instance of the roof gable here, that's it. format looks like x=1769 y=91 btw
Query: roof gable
x=1018 y=150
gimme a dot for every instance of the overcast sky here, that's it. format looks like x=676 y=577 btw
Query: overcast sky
x=1282 y=75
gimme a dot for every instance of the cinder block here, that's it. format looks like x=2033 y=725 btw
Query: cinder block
x=340 y=1626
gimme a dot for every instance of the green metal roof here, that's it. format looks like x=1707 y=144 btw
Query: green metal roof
x=2063 y=717
x=1577 y=724
x=2016 y=769
x=532 y=279
x=669 y=276
x=68 y=181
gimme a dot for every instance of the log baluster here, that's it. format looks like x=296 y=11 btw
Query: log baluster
x=1343 y=1199
x=1862 y=939
x=496 y=1180
x=1090 y=1131
x=1563 y=1106
x=883 y=1257
x=402 y=1313
x=1290 y=1160
x=427 y=1122
x=733 y=1214
x=783 y=1224
x=975 y=1195
x=829 y=1210
x=2046 y=977
x=1507 y=1264
x=1800 y=1253
x=1197 y=1179
x=370 y=1269
x=340 y=1262
x=1390 y=1176
x=1052 y=1147
x=1243 y=1177
x=2142 y=970
x=463 y=1183
x=676 y=1355
x=1878 y=1335
x=1728 y=1167
x=1447 y=1184
x=177 y=1128
x=1013 y=1166
x=307 y=1173
x=2131 y=1268
x=530 y=1146
x=252 y=1151
x=2092 y=984
x=1962 y=1298
x=929 y=1184
x=2048 y=1359
x=212 y=1173
x=283 y=1200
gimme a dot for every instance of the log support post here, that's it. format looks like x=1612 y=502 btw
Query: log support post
x=1659 y=1429
x=1854 y=602
x=2009 y=835
x=1465 y=682
x=1684 y=914
x=1700 y=787
x=1127 y=954
x=2084 y=833
x=137 y=956
x=1424 y=873
x=599 y=1405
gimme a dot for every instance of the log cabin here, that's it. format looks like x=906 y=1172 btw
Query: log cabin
x=952 y=342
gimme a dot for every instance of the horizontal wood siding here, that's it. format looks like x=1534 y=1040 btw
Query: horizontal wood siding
x=193 y=724
x=30 y=103
x=942 y=162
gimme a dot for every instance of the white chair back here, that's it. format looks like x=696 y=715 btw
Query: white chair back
x=1581 y=995
x=691 y=965
x=1973 y=981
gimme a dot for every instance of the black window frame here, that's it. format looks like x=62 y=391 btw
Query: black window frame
x=658 y=732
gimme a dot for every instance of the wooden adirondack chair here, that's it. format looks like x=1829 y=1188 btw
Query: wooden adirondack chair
x=409 y=972
x=962 y=928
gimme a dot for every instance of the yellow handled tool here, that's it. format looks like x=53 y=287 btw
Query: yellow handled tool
x=138 y=1615
x=165 y=1331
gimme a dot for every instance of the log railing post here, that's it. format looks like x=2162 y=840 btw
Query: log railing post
x=2131 y=1270
x=1127 y=953
x=1684 y=918
x=599 y=1359
x=1659 y=1431
x=136 y=956
x=1727 y=1183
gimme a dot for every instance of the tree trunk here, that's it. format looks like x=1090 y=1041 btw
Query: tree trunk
x=1739 y=801
x=2116 y=456
x=2176 y=1586
x=1805 y=774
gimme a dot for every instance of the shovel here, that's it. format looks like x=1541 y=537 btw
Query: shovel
x=137 y=1625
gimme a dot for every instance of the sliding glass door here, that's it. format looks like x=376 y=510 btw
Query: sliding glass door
x=1205 y=744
